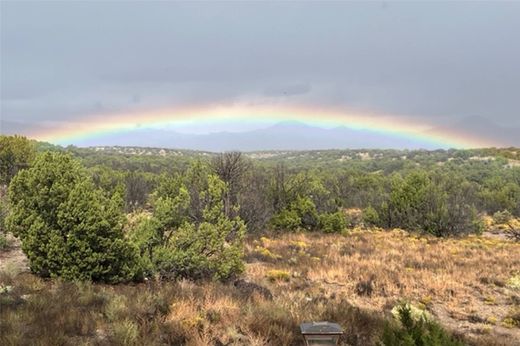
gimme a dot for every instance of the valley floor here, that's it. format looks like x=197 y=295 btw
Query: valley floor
x=470 y=285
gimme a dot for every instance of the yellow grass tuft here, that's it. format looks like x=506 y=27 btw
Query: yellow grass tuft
x=278 y=275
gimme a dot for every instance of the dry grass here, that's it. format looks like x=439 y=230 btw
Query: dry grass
x=38 y=312
x=355 y=280
x=465 y=283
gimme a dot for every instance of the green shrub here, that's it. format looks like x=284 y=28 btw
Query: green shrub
x=332 y=222
x=286 y=220
x=370 y=216
x=3 y=212
x=16 y=153
x=67 y=227
x=438 y=203
x=204 y=251
x=4 y=244
x=208 y=247
x=125 y=332
x=502 y=217
x=301 y=213
x=306 y=210
x=144 y=236
x=414 y=331
x=116 y=308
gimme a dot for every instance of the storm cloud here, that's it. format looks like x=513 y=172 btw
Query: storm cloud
x=441 y=62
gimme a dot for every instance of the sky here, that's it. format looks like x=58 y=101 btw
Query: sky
x=64 y=64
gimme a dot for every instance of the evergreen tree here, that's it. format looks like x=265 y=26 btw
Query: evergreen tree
x=68 y=228
x=16 y=153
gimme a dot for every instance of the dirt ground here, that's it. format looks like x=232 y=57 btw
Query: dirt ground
x=13 y=259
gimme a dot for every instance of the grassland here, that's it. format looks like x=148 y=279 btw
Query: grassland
x=466 y=283
x=470 y=285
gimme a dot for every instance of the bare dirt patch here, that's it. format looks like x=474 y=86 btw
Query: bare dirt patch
x=13 y=259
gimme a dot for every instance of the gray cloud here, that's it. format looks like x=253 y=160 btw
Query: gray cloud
x=287 y=90
x=61 y=61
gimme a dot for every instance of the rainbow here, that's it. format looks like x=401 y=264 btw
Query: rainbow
x=107 y=124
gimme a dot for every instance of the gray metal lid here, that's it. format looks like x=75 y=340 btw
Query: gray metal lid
x=321 y=328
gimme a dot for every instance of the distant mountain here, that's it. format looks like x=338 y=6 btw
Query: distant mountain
x=292 y=135
x=282 y=136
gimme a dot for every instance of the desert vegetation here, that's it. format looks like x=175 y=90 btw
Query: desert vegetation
x=399 y=247
x=467 y=285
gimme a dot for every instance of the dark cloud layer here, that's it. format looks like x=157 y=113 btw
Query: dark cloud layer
x=61 y=61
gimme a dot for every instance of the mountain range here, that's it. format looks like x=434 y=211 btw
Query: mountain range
x=297 y=136
x=300 y=136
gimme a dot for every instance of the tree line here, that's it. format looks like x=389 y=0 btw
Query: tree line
x=81 y=214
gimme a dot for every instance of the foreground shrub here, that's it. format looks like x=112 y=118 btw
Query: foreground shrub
x=125 y=333
x=502 y=217
x=16 y=153
x=4 y=244
x=67 y=227
x=286 y=220
x=302 y=214
x=332 y=222
x=3 y=211
x=370 y=216
x=203 y=251
x=415 y=330
x=190 y=234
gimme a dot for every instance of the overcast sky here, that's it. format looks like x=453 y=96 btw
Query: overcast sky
x=61 y=61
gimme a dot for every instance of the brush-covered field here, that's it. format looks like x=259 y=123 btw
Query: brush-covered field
x=131 y=246
x=470 y=285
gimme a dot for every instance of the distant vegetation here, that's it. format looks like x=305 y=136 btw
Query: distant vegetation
x=191 y=209
x=115 y=214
